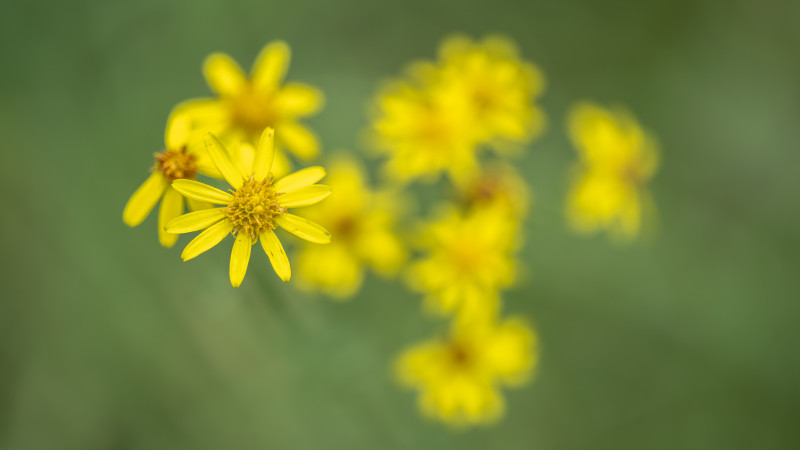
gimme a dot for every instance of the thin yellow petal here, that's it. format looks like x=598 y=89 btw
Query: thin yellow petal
x=305 y=196
x=270 y=66
x=207 y=239
x=303 y=228
x=219 y=155
x=197 y=205
x=240 y=257
x=201 y=191
x=223 y=75
x=301 y=178
x=243 y=157
x=277 y=255
x=194 y=221
x=171 y=207
x=177 y=133
x=144 y=199
x=298 y=140
x=297 y=99
x=264 y=154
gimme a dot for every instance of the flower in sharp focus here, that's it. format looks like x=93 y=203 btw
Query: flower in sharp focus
x=362 y=223
x=459 y=375
x=181 y=159
x=500 y=86
x=247 y=105
x=617 y=159
x=252 y=210
x=424 y=131
x=468 y=260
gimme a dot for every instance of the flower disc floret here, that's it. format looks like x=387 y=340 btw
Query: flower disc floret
x=177 y=164
x=254 y=207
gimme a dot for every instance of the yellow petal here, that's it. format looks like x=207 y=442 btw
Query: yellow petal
x=243 y=157
x=171 y=207
x=207 y=239
x=197 y=205
x=223 y=75
x=194 y=221
x=301 y=178
x=298 y=140
x=270 y=66
x=201 y=191
x=177 y=132
x=297 y=99
x=304 y=196
x=240 y=257
x=303 y=228
x=220 y=158
x=265 y=153
x=144 y=199
x=277 y=255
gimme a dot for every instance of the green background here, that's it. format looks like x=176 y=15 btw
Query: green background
x=686 y=340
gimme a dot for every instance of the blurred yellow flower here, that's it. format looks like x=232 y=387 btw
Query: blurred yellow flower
x=617 y=158
x=459 y=376
x=254 y=207
x=246 y=106
x=180 y=160
x=424 y=130
x=497 y=186
x=469 y=259
x=500 y=86
x=362 y=223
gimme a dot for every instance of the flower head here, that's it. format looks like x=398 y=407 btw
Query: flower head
x=180 y=159
x=498 y=187
x=245 y=106
x=469 y=260
x=459 y=375
x=362 y=222
x=255 y=206
x=617 y=158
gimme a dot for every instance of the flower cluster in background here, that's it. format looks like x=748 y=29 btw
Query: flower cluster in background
x=455 y=124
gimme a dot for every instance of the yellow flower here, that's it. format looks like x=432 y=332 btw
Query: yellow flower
x=459 y=376
x=180 y=160
x=424 y=130
x=617 y=158
x=246 y=106
x=469 y=259
x=497 y=186
x=253 y=208
x=362 y=223
x=500 y=86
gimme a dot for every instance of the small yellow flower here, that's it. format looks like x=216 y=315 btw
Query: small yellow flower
x=468 y=261
x=362 y=223
x=500 y=86
x=246 y=106
x=459 y=376
x=180 y=160
x=424 y=130
x=497 y=186
x=617 y=158
x=253 y=208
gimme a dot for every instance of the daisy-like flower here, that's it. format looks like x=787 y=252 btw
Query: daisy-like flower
x=362 y=223
x=498 y=186
x=424 y=131
x=500 y=86
x=459 y=375
x=617 y=158
x=246 y=106
x=180 y=160
x=255 y=206
x=469 y=259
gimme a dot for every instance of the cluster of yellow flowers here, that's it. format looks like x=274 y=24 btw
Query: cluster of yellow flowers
x=465 y=116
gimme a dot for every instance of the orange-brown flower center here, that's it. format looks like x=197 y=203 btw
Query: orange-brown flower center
x=254 y=207
x=176 y=164
x=459 y=354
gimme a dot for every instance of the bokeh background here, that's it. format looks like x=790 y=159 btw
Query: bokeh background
x=688 y=339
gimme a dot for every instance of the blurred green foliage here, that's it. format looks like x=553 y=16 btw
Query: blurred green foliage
x=687 y=340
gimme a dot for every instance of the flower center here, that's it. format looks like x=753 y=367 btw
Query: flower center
x=254 y=207
x=253 y=111
x=176 y=164
x=459 y=355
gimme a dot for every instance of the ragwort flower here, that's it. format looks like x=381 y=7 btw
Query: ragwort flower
x=459 y=376
x=362 y=223
x=255 y=206
x=617 y=158
x=181 y=159
x=245 y=106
